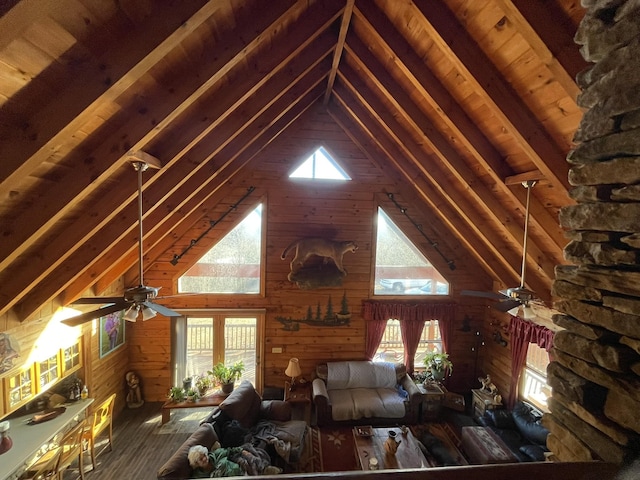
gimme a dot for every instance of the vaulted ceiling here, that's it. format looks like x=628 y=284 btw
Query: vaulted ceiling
x=463 y=99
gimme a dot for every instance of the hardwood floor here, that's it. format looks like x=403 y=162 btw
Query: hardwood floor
x=140 y=444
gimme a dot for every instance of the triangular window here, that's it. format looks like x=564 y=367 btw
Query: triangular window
x=233 y=265
x=320 y=165
x=401 y=269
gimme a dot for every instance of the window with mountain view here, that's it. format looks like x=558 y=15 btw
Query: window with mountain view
x=400 y=268
x=233 y=265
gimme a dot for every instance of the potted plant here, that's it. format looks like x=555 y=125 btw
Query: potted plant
x=203 y=383
x=192 y=395
x=438 y=364
x=176 y=394
x=226 y=376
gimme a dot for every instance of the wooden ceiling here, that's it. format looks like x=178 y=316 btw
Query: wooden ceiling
x=464 y=99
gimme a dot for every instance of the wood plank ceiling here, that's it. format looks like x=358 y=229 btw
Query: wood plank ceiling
x=463 y=99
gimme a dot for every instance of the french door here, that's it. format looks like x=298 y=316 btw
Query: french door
x=227 y=336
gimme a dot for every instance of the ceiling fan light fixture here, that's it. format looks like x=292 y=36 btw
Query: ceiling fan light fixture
x=514 y=311
x=148 y=313
x=131 y=314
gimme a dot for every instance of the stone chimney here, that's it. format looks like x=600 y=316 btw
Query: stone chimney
x=595 y=372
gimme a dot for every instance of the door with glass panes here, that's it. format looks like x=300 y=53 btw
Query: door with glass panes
x=226 y=337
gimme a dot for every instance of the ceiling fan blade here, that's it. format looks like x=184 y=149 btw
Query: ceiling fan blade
x=162 y=310
x=507 y=305
x=473 y=293
x=101 y=312
x=96 y=300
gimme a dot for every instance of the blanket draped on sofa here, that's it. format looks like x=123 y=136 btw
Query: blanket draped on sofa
x=364 y=389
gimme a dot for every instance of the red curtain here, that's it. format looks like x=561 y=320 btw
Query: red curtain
x=412 y=317
x=523 y=332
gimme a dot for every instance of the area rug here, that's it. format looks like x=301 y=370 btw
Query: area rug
x=333 y=449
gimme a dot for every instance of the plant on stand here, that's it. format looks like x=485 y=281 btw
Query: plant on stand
x=192 y=395
x=438 y=365
x=226 y=376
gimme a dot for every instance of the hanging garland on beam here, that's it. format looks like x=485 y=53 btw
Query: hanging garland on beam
x=418 y=226
x=176 y=258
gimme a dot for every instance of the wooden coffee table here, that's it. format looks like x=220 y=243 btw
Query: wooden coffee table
x=212 y=398
x=408 y=455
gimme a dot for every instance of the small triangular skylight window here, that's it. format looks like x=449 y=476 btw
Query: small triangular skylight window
x=320 y=165
x=401 y=269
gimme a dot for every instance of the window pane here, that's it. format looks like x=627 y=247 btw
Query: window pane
x=391 y=348
x=199 y=345
x=533 y=380
x=401 y=269
x=232 y=265
x=240 y=344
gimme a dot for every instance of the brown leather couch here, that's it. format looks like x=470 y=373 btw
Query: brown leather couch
x=244 y=406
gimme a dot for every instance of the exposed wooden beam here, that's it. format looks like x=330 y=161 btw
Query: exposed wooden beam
x=337 y=53
x=445 y=30
x=400 y=54
x=524 y=28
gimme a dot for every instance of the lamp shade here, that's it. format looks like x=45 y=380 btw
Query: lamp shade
x=131 y=314
x=147 y=313
x=293 y=369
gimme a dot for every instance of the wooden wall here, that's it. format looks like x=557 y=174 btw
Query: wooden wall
x=302 y=208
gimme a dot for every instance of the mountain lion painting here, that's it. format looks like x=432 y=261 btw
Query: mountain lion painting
x=321 y=247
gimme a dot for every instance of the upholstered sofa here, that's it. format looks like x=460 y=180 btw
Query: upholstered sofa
x=362 y=392
x=244 y=417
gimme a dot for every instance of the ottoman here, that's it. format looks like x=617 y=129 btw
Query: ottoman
x=482 y=446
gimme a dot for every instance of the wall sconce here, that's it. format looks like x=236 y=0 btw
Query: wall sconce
x=293 y=371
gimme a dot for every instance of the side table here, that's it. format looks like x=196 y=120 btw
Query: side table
x=300 y=400
x=432 y=397
x=482 y=401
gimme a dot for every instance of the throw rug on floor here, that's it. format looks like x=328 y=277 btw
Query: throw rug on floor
x=334 y=449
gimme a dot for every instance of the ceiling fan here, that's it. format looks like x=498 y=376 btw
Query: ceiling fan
x=136 y=300
x=511 y=299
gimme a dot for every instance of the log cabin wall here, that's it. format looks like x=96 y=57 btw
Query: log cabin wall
x=595 y=375
x=296 y=209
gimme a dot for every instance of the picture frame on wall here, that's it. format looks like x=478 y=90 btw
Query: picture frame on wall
x=112 y=332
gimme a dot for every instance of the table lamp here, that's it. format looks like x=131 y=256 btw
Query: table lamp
x=293 y=371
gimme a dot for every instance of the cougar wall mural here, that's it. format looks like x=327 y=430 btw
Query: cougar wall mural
x=309 y=274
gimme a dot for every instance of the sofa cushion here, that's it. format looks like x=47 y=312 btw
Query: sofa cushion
x=322 y=371
x=360 y=374
x=356 y=403
x=278 y=410
x=529 y=423
x=534 y=452
x=501 y=418
x=178 y=465
x=243 y=404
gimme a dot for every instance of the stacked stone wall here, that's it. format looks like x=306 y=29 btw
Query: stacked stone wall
x=595 y=372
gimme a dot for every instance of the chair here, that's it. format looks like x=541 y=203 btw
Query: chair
x=102 y=419
x=44 y=467
x=70 y=449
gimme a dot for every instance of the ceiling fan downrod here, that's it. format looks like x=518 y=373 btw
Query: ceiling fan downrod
x=140 y=167
x=528 y=185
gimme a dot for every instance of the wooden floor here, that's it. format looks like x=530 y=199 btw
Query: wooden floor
x=140 y=444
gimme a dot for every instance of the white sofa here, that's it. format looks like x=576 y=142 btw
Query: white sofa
x=363 y=392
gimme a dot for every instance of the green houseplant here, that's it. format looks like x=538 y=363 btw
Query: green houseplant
x=438 y=364
x=227 y=376
x=192 y=395
x=203 y=383
x=176 y=394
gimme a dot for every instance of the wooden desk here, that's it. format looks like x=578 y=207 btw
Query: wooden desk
x=483 y=401
x=30 y=440
x=408 y=455
x=212 y=398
